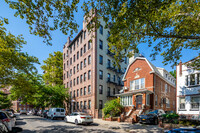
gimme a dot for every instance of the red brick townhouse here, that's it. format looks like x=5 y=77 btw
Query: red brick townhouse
x=146 y=87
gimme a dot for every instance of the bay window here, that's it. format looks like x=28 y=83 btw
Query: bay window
x=137 y=84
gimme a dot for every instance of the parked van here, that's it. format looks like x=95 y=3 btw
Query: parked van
x=56 y=113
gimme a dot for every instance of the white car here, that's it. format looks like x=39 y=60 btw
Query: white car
x=3 y=128
x=79 y=118
x=7 y=120
x=56 y=113
x=23 y=112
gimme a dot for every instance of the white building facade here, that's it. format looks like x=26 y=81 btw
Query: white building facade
x=188 y=91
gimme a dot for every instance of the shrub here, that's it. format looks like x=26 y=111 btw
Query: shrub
x=112 y=108
x=171 y=118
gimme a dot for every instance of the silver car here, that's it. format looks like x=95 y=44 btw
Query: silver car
x=7 y=120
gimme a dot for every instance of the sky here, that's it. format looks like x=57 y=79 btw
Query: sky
x=36 y=47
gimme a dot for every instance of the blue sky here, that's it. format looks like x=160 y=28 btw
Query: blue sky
x=36 y=47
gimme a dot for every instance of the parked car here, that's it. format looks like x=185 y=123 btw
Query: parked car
x=23 y=112
x=151 y=117
x=79 y=118
x=56 y=113
x=44 y=114
x=183 y=130
x=7 y=120
x=3 y=128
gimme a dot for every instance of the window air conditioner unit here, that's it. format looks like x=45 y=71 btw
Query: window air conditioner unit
x=125 y=88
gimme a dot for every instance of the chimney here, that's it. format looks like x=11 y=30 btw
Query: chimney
x=134 y=56
x=68 y=40
x=180 y=68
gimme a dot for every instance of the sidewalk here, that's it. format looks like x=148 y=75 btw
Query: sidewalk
x=126 y=127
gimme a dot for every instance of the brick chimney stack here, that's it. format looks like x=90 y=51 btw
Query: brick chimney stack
x=180 y=68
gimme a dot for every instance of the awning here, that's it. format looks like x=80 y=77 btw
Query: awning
x=135 y=92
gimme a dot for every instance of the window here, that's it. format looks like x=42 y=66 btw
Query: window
x=77 y=67
x=100 y=74
x=89 y=44
x=85 y=90
x=108 y=76
x=84 y=48
x=109 y=63
x=74 y=58
x=100 y=89
x=70 y=72
x=137 y=84
x=64 y=77
x=125 y=60
x=85 y=62
x=89 y=59
x=77 y=80
x=74 y=46
x=77 y=105
x=81 y=38
x=77 y=55
x=74 y=81
x=71 y=83
x=148 y=99
x=156 y=100
x=74 y=94
x=100 y=104
x=64 y=66
x=77 y=93
x=100 y=44
x=70 y=49
x=198 y=78
x=81 y=80
x=81 y=104
x=108 y=91
x=195 y=103
x=101 y=59
x=85 y=76
x=166 y=89
x=167 y=103
x=67 y=63
x=192 y=79
x=89 y=89
x=74 y=69
x=81 y=65
x=89 y=74
x=108 y=35
x=81 y=91
x=81 y=51
x=77 y=42
x=84 y=104
x=89 y=104
x=114 y=78
x=101 y=29
x=84 y=34
x=70 y=61
x=126 y=100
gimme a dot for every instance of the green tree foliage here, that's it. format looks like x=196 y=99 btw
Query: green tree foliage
x=173 y=73
x=12 y=60
x=167 y=26
x=112 y=108
x=53 y=69
x=5 y=102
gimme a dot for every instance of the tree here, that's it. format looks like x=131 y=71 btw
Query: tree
x=167 y=26
x=12 y=60
x=112 y=108
x=5 y=102
x=173 y=73
x=53 y=69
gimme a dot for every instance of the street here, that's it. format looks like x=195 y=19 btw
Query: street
x=37 y=124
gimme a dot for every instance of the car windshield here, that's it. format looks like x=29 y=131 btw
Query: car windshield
x=57 y=110
x=62 y=110
x=2 y=116
x=153 y=112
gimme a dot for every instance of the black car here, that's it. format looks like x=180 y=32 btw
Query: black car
x=151 y=117
x=44 y=113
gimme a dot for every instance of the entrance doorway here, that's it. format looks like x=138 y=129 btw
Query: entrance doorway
x=139 y=102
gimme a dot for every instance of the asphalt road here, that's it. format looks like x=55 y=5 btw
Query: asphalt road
x=36 y=124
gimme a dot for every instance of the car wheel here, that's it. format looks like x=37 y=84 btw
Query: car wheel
x=52 y=118
x=156 y=122
x=65 y=119
x=76 y=122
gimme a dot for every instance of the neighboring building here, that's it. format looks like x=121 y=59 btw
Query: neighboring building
x=17 y=106
x=188 y=90
x=89 y=70
x=147 y=87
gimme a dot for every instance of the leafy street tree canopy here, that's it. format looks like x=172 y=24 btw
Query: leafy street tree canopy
x=53 y=69
x=12 y=60
x=167 y=26
x=5 y=102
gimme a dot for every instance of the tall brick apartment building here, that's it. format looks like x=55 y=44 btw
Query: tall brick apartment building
x=147 y=87
x=89 y=70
